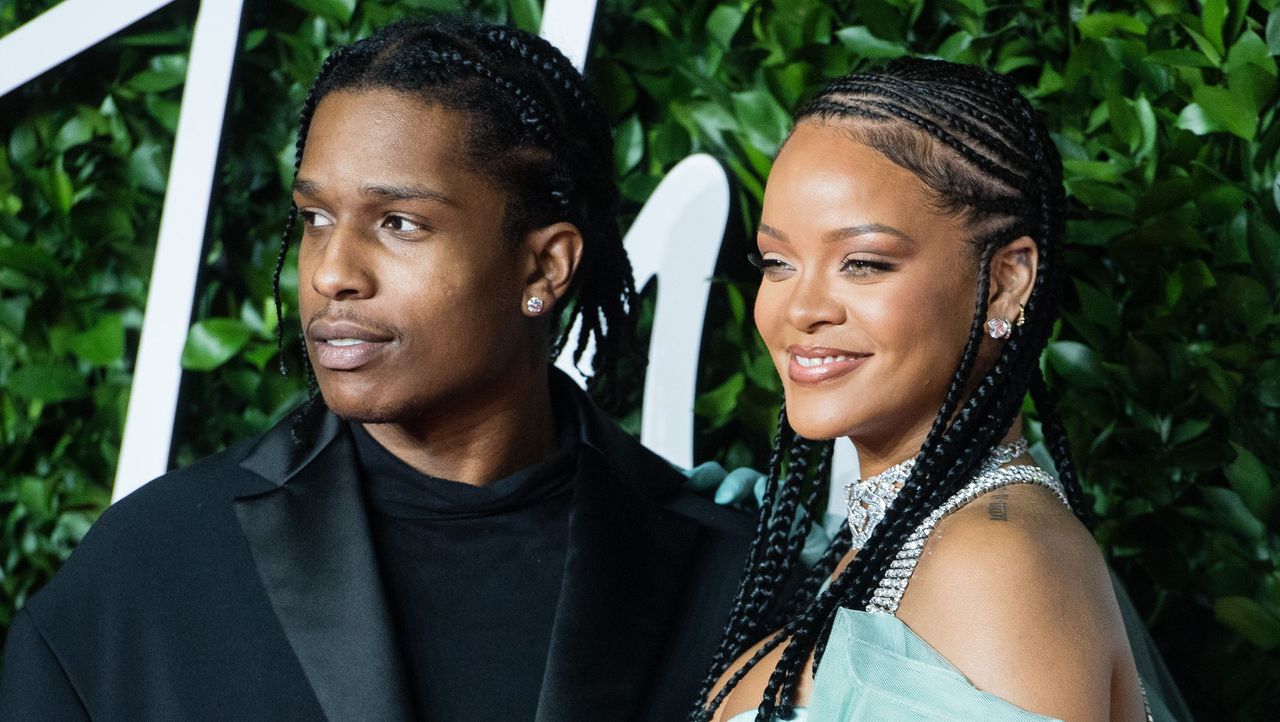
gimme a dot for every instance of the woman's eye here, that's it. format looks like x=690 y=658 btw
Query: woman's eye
x=400 y=224
x=864 y=267
x=767 y=265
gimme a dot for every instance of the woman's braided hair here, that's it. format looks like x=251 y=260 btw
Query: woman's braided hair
x=535 y=130
x=984 y=156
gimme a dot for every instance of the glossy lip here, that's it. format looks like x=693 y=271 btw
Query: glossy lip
x=814 y=375
x=346 y=358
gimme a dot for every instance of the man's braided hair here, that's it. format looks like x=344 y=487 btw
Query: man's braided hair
x=985 y=157
x=535 y=130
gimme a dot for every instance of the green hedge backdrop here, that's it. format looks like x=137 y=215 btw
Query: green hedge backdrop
x=1168 y=358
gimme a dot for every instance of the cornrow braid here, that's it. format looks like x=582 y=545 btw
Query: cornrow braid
x=536 y=131
x=986 y=158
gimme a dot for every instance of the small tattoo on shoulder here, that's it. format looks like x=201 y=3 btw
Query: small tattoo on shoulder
x=998 y=507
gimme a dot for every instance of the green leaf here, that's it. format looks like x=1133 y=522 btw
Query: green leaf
x=1273 y=32
x=1100 y=25
x=1269 y=383
x=24 y=145
x=33 y=494
x=1230 y=110
x=628 y=145
x=1195 y=119
x=1250 y=480
x=1214 y=16
x=254 y=38
x=76 y=131
x=1124 y=121
x=859 y=40
x=761 y=118
x=1230 y=509
x=723 y=24
x=212 y=342
x=1182 y=57
x=719 y=403
x=1250 y=620
x=148 y=167
x=339 y=10
x=103 y=344
x=31 y=260
x=50 y=383
x=1077 y=363
x=527 y=14
x=164 y=72
x=60 y=191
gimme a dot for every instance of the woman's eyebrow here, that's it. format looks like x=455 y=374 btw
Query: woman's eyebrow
x=842 y=234
x=772 y=232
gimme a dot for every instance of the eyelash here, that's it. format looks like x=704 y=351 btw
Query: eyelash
x=851 y=266
x=863 y=267
x=309 y=220
x=416 y=226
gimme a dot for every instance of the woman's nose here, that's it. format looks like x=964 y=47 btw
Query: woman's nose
x=811 y=304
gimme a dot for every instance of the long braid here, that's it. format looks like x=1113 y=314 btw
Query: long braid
x=995 y=166
x=737 y=635
x=304 y=126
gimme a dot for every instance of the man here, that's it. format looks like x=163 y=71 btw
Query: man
x=453 y=531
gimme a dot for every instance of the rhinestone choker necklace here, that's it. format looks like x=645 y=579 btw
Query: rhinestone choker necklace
x=868 y=499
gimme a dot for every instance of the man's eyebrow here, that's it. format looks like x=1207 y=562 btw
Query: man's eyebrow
x=380 y=191
x=405 y=193
x=306 y=187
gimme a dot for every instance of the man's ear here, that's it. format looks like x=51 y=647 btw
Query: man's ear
x=552 y=254
x=1013 y=274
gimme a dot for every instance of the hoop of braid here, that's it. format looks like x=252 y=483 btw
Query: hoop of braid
x=541 y=137
x=994 y=165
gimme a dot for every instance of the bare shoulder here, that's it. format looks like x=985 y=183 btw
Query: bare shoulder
x=1014 y=592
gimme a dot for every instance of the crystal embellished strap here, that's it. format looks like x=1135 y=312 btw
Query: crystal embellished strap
x=889 y=593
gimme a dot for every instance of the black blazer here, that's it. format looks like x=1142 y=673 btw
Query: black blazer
x=245 y=587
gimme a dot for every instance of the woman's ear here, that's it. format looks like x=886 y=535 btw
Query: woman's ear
x=1013 y=274
x=552 y=254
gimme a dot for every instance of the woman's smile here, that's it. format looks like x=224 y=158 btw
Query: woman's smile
x=813 y=365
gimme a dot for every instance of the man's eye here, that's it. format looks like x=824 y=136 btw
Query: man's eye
x=312 y=219
x=400 y=224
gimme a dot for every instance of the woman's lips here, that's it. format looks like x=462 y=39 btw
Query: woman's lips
x=817 y=365
x=344 y=346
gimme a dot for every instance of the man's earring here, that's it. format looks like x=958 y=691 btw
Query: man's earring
x=1022 y=315
x=999 y=327
x=534 y=305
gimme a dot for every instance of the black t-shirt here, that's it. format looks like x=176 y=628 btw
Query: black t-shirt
x=472 y=576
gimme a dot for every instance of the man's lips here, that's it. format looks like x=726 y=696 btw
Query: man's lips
x=346 y=346
x=817 y=364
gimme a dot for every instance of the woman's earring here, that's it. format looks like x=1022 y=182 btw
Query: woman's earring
x=999 y=327
x=1022 y=315
x=534 y=305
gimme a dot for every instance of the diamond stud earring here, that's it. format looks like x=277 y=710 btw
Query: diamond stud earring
x=999 y=327
x=534 y=305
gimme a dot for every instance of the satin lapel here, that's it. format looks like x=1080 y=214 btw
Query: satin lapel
x=313 y=549
x=624 y=572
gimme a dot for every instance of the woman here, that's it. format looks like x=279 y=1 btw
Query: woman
x=910 y=246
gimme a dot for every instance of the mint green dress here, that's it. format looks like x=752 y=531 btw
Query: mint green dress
x=876 y=668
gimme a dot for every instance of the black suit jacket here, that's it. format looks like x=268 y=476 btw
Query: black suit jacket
x=245 y=587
